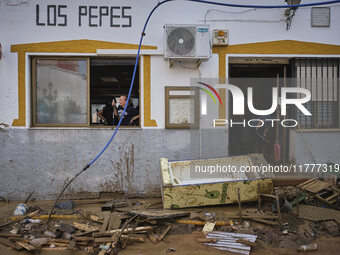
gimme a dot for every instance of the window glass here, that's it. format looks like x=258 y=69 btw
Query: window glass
x=61 y=91
x=321 y=78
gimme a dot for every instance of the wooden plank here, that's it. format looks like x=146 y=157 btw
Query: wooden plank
x=164 y=232
x=84 y=238
x=19 y=239
x=60 y=241
x=132 y=239
x=107 y=215
x=92 y=201
x=54 y=249
x=45 y=217
x=288 y=181
x=58 y=244
x=207 y=240
x=19 y=218
x=272 y=223
x=152 y=236
x=114 y=222
x=27 y=246
x=72 y=245
x=159 y=213
x=255 y=216
x=9 y=235
x=103 y=239
x=93 y=217
x=127 y=230
x=85 y=233
x=331 y=197
x=10 y=244
x=306 y=182
x=85 y=227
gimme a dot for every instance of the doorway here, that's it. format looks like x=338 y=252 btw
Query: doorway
x=262 y=77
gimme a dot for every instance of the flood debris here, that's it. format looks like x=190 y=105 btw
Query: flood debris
x=309 y=247
x=231 y=241
x=315 y=213
x=208 y=227
x=323 y=191
x=241 y=227
x=158 y=214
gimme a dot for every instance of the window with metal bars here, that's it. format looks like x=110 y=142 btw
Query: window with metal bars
x=321 y=77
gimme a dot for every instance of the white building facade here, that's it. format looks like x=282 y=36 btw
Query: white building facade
x=61 y=60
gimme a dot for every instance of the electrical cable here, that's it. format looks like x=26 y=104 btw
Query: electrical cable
x=137 y=59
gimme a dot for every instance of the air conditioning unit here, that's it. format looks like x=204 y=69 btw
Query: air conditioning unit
x=187 y=42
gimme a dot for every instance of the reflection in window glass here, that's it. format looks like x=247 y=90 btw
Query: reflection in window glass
x=61 y=92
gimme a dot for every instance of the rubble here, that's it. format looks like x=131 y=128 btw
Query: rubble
x=310 y=247
x=230 y=242
x=239 y=228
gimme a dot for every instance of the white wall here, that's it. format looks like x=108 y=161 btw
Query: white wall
x=18 y=25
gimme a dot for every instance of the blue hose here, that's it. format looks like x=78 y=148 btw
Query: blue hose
x=196 y=1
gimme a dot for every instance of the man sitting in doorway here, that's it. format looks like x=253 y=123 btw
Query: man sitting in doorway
x=130 y=112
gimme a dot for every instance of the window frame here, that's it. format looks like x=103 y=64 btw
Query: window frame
x=33 y=97
x=314 y=121
x=168 y=125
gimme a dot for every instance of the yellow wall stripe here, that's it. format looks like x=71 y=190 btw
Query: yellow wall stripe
x=148 y=122
x=21 y=120
x=75 y=46
x=284 y=47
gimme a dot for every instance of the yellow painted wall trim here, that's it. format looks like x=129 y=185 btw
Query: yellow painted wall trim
x=148 y=122
x=221 y=51
x=73 y=46
x=21 y=120
x=222 y=91
x=280 y=47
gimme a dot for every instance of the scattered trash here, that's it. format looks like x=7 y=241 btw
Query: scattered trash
x=208 y=227
x=65 y=205
x=14 y=231
x=109 y=206
x=39 y=241
x=231 y=241
x=49 y=234
x=67 y=228
x=31 y=221
x=309 y=247
x=236 y=230
x=331 y=227
x=285 y=206
x=323 y=191
x=202 y=223
x=104 y=247
x=67 y=235
x=301 y=197
x=20 y=210
x=315 y=213
x=159 y=213
x=209 y=217
x=207 y=240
